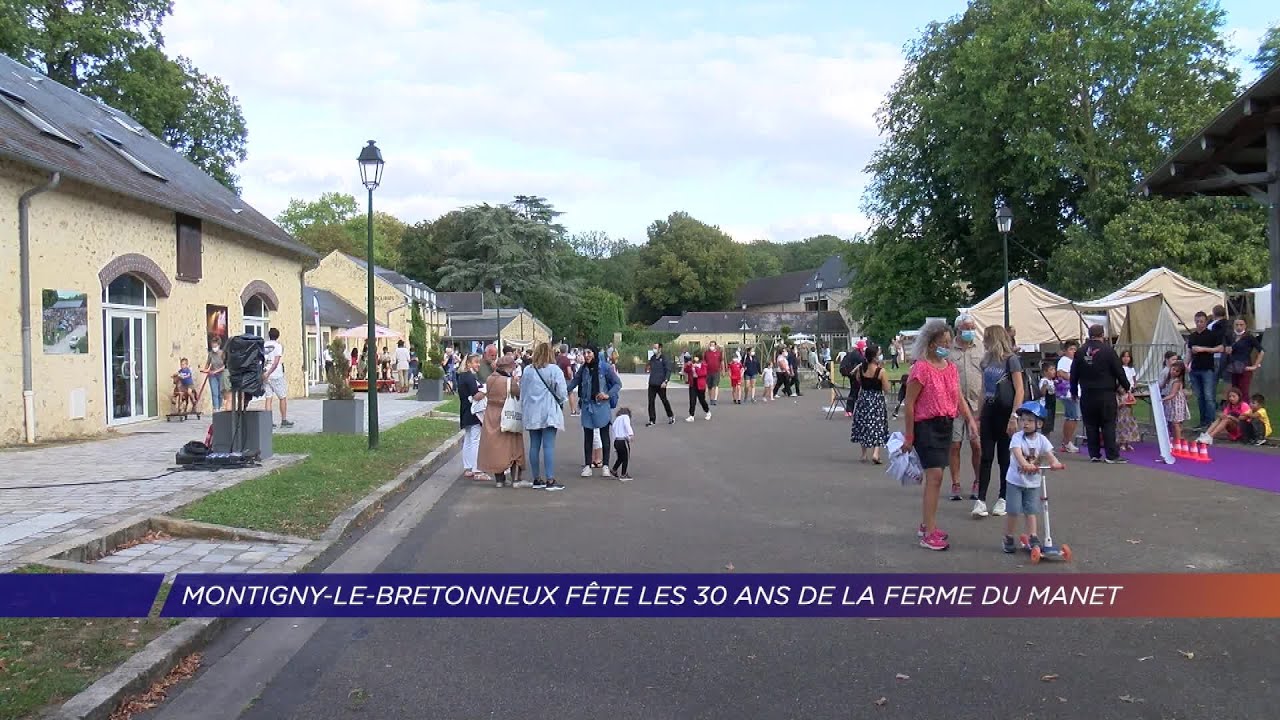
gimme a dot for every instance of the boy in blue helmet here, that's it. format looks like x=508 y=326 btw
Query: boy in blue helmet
x=1030 y=449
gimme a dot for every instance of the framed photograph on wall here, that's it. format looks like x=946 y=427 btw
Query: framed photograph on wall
x=215 y=324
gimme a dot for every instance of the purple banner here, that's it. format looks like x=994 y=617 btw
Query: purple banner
x=89 y=595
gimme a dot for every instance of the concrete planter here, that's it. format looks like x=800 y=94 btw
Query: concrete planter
x=430 y=390
x=343 y=416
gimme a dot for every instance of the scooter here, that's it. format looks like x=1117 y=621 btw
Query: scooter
x=1048 y=549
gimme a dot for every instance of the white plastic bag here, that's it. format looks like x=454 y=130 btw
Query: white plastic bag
x=905 y=467
x=512 y=413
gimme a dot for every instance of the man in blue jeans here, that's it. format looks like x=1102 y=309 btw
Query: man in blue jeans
x=1204 y=343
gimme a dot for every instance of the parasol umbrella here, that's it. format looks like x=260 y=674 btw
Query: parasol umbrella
x=362 y=331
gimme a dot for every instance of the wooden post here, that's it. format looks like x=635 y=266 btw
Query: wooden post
x=1270 y=371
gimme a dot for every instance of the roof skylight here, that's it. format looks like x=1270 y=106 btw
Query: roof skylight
x=19 y=105
x=129 y=157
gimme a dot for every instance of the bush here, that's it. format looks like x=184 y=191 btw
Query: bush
x=433 y=369
x=339 y=388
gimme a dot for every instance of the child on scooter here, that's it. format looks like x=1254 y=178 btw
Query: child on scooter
x=1030 y=449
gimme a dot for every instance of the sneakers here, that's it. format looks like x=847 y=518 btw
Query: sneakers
x=671 y=421
x=1117 y=461
x=973 y=491
x=708 y=415
x=650 y=424
x=979 y=509
x=936 y=540
x=1033 y=542
x=713 y=403
x=1095 y=459
x=1070 y=448
x=1260 y=442
x=624 y=478
x=604 y=472
x=286 y=423
x=586 y=471
x=955 y=492
x=689 y=419
x=522 y=484
x=1204 y=438
x=499 y=483
x=539 y=484
x=920 y=532
x=1008 y=546
x=999 y=508
x=553 y=486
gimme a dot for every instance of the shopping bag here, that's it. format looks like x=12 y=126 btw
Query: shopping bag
x=478 y=407
x=512 y=415
x=905 y=467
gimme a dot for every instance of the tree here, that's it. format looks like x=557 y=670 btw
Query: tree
x=1215 y=241
x=424 y=246
x=331 y=208
x=1056 y=108
x=1268 y=54
x=763 y=259
x=687 y=265
x=110 y=50
x=600 y=315
x=387 y=232
x=900 y=282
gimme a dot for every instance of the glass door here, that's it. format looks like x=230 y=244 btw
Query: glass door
x=128 y=366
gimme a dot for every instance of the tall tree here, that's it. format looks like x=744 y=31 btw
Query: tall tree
x=900 y=282
x=387 y=231
x=1054 y=107
x=424 y=246
x=1268 y=55
x=110 y=50
x=687 y=265
x=600 y=314
x=331 y=208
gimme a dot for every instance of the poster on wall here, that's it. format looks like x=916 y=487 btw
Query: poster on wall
x=65 y=315
x=215 y=324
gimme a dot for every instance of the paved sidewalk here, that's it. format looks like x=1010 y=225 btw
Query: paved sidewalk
x=182 y=555
x=53 y=495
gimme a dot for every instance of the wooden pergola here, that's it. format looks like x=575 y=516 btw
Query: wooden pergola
x=1238 y=153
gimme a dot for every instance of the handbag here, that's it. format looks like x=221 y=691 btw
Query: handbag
x=1004 y=388
x=512 y=415
x=478 y=407
x=1236 y=367
x=548 y=386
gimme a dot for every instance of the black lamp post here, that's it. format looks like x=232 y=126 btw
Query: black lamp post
x=817 y=336
x=744 y=329
x=497 y=291
x=1004 y=223
x=371 y=176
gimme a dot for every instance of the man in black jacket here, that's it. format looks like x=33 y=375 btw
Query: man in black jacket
x=659 y=374
x=1097 y=371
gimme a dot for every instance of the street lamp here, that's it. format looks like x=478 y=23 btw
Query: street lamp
x=817 y=336
x=371 y=176
x=744 y=329
x=497 y=291
x=1004 y=223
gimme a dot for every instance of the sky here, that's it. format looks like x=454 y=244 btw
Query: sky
x=757 y=116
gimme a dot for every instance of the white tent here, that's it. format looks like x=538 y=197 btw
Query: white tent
x=1183 y=296
x=1261 y=307
x=1146 y=326
x=1037 y=315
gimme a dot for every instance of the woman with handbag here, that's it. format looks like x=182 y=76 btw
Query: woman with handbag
x=542 y=399
x=1003 y=390
x=597 y=386
x=470 y=398
x=1127 y=430
x=501 y=443
x=1244 y=355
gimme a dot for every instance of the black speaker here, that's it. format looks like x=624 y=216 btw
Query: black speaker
x=246 y=356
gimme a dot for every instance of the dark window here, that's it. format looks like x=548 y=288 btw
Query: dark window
x=190 y=266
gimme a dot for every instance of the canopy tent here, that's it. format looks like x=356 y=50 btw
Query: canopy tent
x=1144 y=323
x=1261 y=307
x=362 y=331
x=1037 y=315
x=1184 y=297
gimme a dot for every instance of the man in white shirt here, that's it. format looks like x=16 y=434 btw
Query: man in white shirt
x=402 y=366
x=273 y=376
x=1070 y=404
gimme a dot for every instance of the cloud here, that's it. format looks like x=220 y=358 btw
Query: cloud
x=440 y=82
x=844 y=225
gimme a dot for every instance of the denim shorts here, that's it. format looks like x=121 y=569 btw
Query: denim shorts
x=1070 y=408
x=1022 y=500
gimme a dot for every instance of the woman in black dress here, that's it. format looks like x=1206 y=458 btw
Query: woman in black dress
x=870 y=421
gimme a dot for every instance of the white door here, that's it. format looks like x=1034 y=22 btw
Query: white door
x=128 y=394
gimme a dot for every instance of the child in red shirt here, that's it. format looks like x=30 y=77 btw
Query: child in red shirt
x=696 y=371
x=735 y=379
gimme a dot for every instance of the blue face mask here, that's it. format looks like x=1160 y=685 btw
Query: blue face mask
x=968 y=335
x=942 y=352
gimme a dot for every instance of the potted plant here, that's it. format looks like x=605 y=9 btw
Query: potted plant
x=342 y=411
x=431 y=386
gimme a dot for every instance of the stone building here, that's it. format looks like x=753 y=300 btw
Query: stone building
x=394 y=294
x=470 y=323
x=799 y=291
x=118 y=257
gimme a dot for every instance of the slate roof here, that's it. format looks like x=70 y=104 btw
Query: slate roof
x=478 y=328
x=92 y=159
x=461 y=303
x=334 y=311
x=723 y=323
x=788 y=287
x=485 y=323
x=393 y=277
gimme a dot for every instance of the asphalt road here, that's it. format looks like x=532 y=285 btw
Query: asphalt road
x=777 y=488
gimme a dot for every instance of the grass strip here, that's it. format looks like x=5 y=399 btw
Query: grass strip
x=46 y=661
x=304 y=498
x=450 y=405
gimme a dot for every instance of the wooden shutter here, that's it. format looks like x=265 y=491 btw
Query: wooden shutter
x=190 y=265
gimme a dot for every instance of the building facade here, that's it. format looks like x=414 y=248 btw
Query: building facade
x=822 y=288
x=134 y=259
x=346 y=277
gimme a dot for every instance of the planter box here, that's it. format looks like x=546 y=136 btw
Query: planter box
x=343 y=416
x=430 y=390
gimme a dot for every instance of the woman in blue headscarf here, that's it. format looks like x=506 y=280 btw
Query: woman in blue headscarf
x=597 y=385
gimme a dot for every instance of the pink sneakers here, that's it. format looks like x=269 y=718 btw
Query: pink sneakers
x=920 y=532
x=936 y=540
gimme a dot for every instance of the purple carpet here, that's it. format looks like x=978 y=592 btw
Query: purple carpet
x=1243 y=468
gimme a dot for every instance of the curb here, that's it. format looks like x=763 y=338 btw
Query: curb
x=157 y=657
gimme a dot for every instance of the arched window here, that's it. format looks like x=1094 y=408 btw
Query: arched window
x=129 y=289
x=256 y=319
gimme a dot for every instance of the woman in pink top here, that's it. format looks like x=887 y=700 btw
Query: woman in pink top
x=933 y=399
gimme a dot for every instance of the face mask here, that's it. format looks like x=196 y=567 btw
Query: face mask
x=968 y=335
x=942 y=352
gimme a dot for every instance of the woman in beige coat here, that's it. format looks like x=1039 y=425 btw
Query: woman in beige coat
x=500 y=451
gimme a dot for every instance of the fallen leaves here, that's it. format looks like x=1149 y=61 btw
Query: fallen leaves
x=1048 y=678
x=154 y=536
x=157 y=693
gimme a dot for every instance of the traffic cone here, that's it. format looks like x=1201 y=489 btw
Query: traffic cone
x=1180 y=448
x=1204 y=453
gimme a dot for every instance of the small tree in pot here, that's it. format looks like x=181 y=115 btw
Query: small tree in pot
x=342 y=411
x=431 y=387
